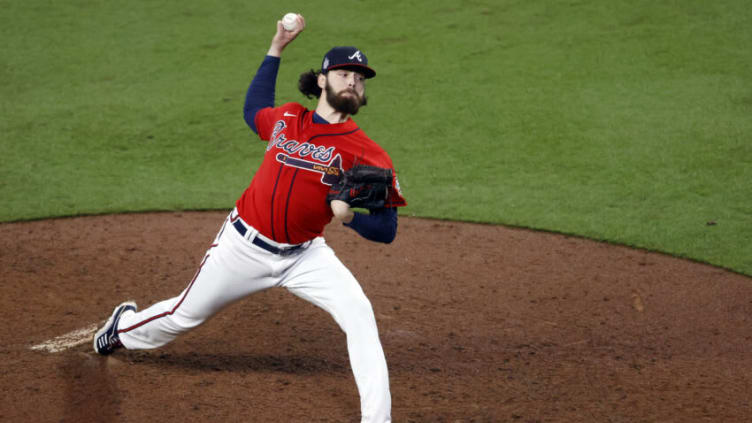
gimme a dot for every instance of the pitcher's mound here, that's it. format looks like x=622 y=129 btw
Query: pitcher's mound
x=479 y=323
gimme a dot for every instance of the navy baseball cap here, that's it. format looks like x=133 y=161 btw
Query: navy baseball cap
x=349 y=58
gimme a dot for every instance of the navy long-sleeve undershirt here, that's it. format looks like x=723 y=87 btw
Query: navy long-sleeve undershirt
x=261 y=91
x=381 y=224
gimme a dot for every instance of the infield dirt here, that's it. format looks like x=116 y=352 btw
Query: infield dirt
x=479 y=323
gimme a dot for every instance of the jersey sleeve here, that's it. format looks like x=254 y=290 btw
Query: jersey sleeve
x=268 y=117
x=395 y=198
x=264 y=121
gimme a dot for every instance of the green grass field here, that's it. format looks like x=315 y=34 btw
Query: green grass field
x=626 y=121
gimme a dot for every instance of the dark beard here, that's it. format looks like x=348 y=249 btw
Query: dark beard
x=347 y=105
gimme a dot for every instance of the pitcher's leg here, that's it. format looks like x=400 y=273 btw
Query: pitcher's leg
x=229 y=271
x=162 y=322
x=367 y=359
x=324 y=281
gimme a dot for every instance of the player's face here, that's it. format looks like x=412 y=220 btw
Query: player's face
x=345 y=90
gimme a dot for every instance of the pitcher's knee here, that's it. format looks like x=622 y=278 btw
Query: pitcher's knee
x=182 y=322
x=359 y=316
x=363 y=306
x=360 y=307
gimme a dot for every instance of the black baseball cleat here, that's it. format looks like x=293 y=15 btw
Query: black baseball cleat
x=106 y=340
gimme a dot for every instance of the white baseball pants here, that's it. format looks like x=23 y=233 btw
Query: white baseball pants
x=234 y=268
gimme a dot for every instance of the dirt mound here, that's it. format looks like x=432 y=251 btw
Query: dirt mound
x=479 y=323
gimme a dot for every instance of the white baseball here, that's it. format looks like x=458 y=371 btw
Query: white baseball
x=290 y=22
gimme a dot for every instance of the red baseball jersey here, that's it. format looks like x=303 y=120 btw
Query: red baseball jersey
x=286 y=200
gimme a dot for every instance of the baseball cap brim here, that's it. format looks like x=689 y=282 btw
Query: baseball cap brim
x=364 y=69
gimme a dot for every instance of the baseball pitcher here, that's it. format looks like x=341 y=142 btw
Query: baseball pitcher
x=318 y=165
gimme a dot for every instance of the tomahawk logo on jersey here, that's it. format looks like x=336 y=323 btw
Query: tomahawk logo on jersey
x=309 y=157
x=296 y=152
